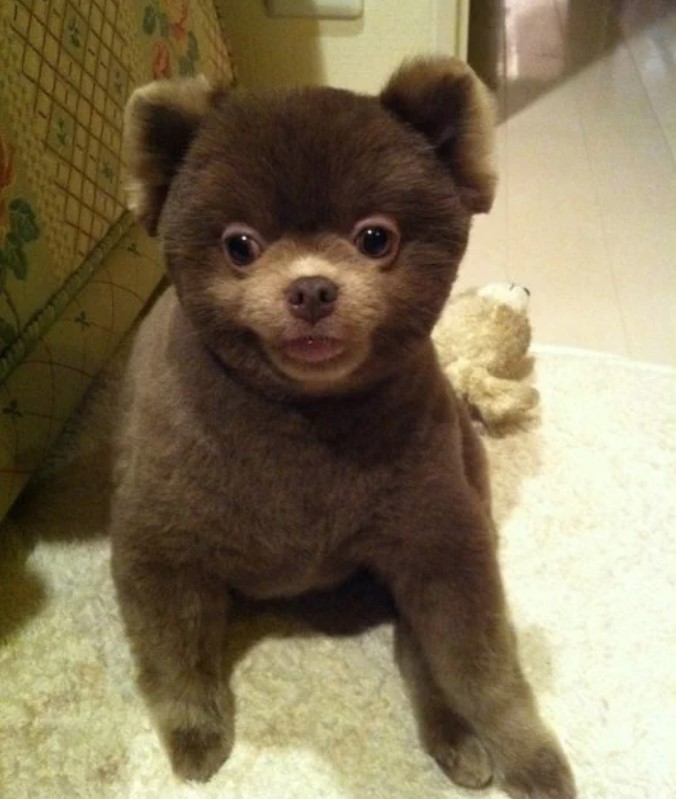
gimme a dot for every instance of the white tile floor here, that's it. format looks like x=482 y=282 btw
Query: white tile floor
x=585 y=214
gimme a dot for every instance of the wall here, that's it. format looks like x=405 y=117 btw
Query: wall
x=355 y=54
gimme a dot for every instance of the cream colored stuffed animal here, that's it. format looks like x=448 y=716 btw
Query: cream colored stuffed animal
x=483 y=340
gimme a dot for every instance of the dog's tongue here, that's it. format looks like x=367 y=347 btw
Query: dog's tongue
x=313 y=349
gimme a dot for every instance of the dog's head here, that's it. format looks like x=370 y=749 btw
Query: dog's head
x=313 y=235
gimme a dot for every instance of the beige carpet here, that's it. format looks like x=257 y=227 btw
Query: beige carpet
x=587 y=506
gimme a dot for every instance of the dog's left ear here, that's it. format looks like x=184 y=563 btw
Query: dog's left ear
x=443 y=99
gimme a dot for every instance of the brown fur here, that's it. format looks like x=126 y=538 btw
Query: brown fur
x=243 y=470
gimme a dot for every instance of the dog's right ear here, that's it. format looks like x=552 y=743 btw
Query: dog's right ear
x=160 y=122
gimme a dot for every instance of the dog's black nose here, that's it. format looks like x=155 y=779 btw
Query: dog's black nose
x=312 y=298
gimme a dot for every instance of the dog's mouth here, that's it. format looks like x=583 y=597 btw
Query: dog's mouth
x=313 y=349
x=317 y=358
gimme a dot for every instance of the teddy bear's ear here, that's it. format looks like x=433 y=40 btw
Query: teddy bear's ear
x=160 y=122
x=443 y=99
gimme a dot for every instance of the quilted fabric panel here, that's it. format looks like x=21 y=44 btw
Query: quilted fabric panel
x=46 y=386
x=75 y=271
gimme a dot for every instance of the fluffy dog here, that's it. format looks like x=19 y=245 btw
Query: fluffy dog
x=287 y=422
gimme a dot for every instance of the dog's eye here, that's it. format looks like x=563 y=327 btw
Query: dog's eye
x=377 y=238
x=241 y=245
x=374 y=241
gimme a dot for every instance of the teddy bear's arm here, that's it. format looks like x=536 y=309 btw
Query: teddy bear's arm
x=497 y=400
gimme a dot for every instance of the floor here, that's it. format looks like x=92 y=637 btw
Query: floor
x=585 y=214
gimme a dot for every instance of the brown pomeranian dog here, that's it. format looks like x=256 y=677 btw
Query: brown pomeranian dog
x=286 y=422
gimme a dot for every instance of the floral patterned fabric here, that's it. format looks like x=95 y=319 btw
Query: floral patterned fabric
x=67 y=68
x=176 y=51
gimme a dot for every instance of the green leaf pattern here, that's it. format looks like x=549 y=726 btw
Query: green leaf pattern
x=22 y=221
x=24 y=229
x=7 y=332
x=149 y=20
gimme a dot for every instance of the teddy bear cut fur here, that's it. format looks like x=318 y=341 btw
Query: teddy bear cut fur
x=286 y=421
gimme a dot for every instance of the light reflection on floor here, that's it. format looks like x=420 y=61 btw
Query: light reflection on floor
x=586 y=209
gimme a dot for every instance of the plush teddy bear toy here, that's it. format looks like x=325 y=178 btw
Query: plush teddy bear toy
x=483 y=340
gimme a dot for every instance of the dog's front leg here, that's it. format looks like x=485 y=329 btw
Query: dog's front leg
x=446 y=735
x=176 y=620
x=441 y=566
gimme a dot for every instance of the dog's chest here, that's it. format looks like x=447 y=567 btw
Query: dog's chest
x=277 y=496
x=295 y=487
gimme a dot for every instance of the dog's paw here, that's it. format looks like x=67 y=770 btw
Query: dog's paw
x=197 y=753
x=544 y=775
x=465 y=761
